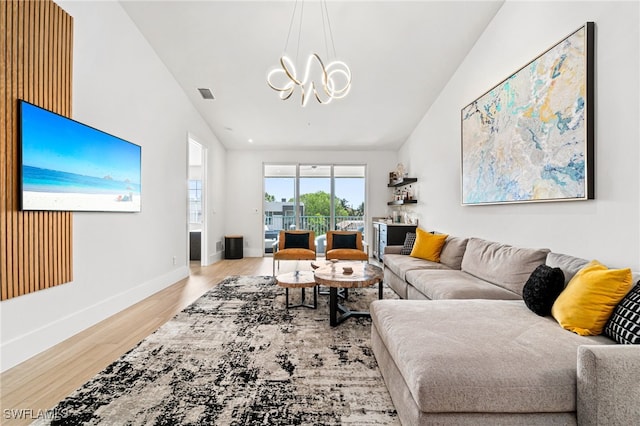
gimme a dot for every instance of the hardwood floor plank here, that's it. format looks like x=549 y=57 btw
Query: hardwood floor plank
x=42 y=381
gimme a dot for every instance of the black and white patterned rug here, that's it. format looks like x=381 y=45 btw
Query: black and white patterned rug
x=237 y=357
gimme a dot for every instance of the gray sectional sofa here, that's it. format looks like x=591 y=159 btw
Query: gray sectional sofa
x=467 y=350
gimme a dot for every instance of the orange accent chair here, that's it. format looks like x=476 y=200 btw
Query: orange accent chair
x=346 y=245
x=294 y=245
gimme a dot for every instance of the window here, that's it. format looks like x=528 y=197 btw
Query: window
x=195 y=201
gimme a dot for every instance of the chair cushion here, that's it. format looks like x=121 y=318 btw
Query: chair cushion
x=344 y=241
x=294 y=254
x=296 y=240
x=346 y=254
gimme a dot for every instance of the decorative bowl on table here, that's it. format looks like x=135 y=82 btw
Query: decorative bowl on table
x=347 y=270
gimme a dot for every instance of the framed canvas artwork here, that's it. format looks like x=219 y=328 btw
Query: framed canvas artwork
x=531 y=137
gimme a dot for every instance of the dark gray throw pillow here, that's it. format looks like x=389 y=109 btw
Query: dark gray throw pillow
x=344 y=241
x=542 y=289
x=624 y=324
x=293 y=240
x=409 y=241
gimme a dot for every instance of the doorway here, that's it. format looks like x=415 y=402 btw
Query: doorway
x=196 y=213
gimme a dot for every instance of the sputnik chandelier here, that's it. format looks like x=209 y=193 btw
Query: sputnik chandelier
x=324 y=82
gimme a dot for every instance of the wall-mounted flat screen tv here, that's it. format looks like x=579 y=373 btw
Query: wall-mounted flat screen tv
x=69 y=166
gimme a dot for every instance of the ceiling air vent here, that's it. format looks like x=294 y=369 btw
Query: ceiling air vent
x=206 y=94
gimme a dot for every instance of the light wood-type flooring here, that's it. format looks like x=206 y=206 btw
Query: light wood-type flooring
x=36 y=385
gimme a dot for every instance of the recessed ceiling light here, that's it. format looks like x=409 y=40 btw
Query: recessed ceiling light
x=206 y=93
x=250 y=141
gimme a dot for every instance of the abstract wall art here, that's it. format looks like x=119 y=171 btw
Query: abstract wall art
x=531 y=137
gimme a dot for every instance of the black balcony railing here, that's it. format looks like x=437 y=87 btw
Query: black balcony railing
x=318 y=224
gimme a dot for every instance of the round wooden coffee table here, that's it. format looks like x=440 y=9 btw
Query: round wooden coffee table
x=301 y=280
x=334 y=277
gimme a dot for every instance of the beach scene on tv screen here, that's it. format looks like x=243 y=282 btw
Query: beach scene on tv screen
x=68 y=166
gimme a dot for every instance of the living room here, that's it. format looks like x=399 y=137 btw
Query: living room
x=121 y=86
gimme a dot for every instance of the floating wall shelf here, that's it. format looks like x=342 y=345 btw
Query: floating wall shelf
x=405 y=181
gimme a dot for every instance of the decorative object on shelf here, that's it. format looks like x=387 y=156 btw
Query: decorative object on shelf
x=531 y=137
x=410 y=193
x=328 y=82
x=404 y=193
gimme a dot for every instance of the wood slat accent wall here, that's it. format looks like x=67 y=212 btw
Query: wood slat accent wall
x=36 y=56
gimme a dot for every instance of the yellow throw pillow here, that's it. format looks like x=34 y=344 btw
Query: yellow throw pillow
x=587 y=302
x=428 y=246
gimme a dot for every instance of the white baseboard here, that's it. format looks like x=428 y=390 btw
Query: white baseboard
x=27 y=345
x=252 y=252
x=215 y=257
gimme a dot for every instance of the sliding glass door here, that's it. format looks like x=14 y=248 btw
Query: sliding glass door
x=349 y=190
x=318 y=197
x=315 y=198
x=279 y=207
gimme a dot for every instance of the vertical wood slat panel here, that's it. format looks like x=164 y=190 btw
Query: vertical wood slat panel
x=11 y=157
x=22 y=90
x=68 y=92
x=20 y=228
x=44 y=101
x=4 y=136
x=5 y=89
x=35 y=49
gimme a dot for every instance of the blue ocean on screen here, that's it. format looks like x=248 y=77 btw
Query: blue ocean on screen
x=44 y=180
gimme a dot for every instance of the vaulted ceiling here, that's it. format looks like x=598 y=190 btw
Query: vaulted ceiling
x=401 y=55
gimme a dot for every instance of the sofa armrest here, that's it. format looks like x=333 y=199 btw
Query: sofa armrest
x=608 y=385
x=392 y=249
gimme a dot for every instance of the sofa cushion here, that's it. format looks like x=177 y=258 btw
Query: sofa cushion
x=569 y=264
x=409 y=241
x=624 y=324
x=480 y=355
x=450 y=284
x=542 y=289
x=453 y=251
x=428 y=246
x=503 y=265
x=400 y=264
x=587 y=302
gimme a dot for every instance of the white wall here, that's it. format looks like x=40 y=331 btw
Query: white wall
x=120 y=86
x=246 y=194
x=607 y=228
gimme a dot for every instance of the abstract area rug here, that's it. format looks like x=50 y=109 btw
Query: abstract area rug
x=237 y=357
